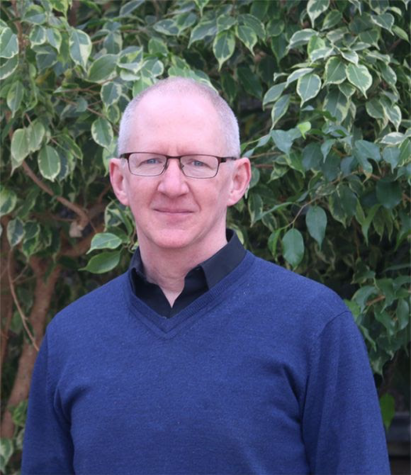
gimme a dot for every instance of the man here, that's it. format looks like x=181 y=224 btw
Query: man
x=202 y=359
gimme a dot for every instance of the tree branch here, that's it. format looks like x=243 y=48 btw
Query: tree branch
x=84 y=219
x=17 y=304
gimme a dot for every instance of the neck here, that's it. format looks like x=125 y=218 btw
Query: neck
x=168 y=267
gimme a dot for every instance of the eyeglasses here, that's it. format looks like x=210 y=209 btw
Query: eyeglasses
x=193 y=166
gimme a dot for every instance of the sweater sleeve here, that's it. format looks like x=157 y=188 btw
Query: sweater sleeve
x=47 y=447
x=342 y=424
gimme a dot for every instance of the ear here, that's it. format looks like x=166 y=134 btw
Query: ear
x=240 y=180
x=119 y=180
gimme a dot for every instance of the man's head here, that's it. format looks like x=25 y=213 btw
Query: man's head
x=185 y=86
x=172 y=211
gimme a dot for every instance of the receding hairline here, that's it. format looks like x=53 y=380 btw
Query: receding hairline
x=185 y=86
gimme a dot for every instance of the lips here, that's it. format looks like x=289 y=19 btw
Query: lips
x=173 y=211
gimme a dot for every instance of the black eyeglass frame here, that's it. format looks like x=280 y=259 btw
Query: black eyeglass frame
x=126 y=156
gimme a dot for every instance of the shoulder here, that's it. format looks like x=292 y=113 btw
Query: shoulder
x=92 y=308
x=295 y=296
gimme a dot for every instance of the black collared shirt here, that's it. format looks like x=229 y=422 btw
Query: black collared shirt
x=198 y=281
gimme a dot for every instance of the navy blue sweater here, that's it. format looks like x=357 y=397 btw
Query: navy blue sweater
x=266 y=373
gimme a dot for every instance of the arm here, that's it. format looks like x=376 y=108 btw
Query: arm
x=342 y=424
x=48 y=448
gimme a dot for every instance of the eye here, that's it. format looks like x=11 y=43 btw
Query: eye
x=151 y=161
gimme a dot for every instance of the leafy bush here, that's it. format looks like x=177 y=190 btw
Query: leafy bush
x=320 y=89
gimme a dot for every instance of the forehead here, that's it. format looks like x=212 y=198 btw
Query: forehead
x=176 y=120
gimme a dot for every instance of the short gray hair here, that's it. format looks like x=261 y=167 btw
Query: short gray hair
x=190 y=86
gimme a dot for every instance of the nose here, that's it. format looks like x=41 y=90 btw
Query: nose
x=173 y=182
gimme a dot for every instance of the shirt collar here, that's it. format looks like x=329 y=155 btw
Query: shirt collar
x=213 y=269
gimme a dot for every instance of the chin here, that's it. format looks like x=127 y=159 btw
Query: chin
x=173 y=240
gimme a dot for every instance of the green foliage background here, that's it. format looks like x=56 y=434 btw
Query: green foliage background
x=321 y=90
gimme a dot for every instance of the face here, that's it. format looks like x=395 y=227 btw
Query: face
x=172 y=211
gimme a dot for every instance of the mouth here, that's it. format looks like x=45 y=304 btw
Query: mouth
x=173 y=211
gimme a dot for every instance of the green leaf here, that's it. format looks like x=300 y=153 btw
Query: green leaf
x=403 y=314
x=31 y=240
x=223 y=47
x=129 y=7
x=158 y=47
x=80 y=47
x=388 y=74
x=387 y=405
x=312 y=157
x=360 y=77
x=315 y=43
x=392 y=156
x=297 y=75
x=316 y=220
x=37 y=36
x=36 y=133
x=102 y=132
x=15 y=97
x=336 y=104
x=335 y=71
x=110 y=93
x=365 y=225
x=321 y=53
x=283 y=140
x=103 y=68
x=304 y=127
x=15 y=231
x=202 y=30
x=49 y=162
x=293 y=247
x=301 y=37
x=102 y=263
x=34 y=15
x=225 y=23
x=8 y=67
x=167 y=27
x=7 y=450
x=8 y=201
x=368 y=149
x=9 y=45
x=275 y=27
x=386 y=21
x=315 y=8
x=332 y=19
x=280 y=108
x=247 y=36
x=350 y=56
x=375 y=109
x=60 y=5
x=104 y=241
x=201 y=4
x=254 y=23
x=326 y=147
x=250 y=81
x=279 y=46
x=255 y=207
x=389 y=193
x=348 y=200
x=273 y=93
x=53 y=38
x=308 y=87
x=400 y=33
x=19 y=147
x=346 y=89
x=394 y=115
x=393 y=138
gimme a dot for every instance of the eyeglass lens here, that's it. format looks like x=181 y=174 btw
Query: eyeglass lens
x=194 y=166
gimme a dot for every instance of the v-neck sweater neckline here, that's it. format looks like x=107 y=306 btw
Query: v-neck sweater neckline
x=168 y=328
